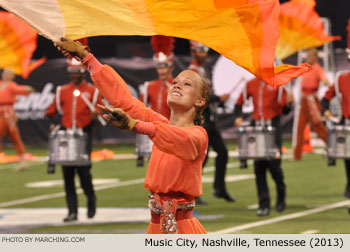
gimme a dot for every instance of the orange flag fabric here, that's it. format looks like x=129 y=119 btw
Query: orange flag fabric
x=301 y=28
x=245 y=31
x=17 y=45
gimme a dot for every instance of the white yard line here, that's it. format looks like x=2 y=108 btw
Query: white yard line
x=312 y=231
x=282 y=218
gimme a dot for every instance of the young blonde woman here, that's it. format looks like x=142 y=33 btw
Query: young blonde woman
x=174 y=172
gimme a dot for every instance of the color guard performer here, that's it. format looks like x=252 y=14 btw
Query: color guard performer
x=8 y=118
x=155 y=92
x=310 y=108
x=76 y=114
x=174 y=172
x=268 y=104
x=199 y=55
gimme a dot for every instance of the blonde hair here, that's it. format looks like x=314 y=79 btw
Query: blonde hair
x=204 y=92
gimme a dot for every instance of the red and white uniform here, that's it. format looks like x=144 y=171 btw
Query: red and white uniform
x=310 y=107
x=75 y=113
x=341 y=89
x=8 y=117
x=155 y=96
x=268 y=101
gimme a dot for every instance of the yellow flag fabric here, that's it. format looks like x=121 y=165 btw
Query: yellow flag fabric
x=245 y=31
x=301 y=28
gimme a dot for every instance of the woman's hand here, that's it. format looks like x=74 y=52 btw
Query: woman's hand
x=118 y=118
x=72 y=48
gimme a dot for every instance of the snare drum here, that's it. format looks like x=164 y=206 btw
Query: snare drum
x=257 y=143
x=338 y=142
x=68 y=147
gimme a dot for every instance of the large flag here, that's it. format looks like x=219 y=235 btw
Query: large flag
x=17 y=44
x=245 y=31
x=301 y=28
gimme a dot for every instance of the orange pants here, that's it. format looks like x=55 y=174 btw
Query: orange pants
x=310 y=112
x=8 y=124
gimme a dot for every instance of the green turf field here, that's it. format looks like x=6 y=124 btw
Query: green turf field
x=312 y=188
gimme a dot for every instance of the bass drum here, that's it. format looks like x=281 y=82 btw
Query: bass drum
x=68 y=147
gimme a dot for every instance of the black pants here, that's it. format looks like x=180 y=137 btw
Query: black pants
x=347 y=170
x=85 y=179
x=218 y=145
x=85 y=182
x=260 y=169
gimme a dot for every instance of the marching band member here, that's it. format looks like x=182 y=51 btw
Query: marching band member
x=310 y=108
x=8 y=118
x=76 y=114
x=341 y=89
x=174 y=172
x=268 y=104
x=155 y=92
x=199 y=55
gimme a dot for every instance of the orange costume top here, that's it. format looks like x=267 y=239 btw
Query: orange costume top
x=311 y=80
x=175 y=166
x=73 y=108
x=155 y=95
x=8 y=116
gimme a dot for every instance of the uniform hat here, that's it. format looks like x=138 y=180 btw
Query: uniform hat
x=196 y=46
x=75 y=66
x=163 y=47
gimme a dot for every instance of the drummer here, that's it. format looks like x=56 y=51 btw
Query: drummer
x=76 y=115
x=342 y=85
x=268 y=103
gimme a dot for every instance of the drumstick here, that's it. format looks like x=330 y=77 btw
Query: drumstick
x=93 y=109
x=236 y=86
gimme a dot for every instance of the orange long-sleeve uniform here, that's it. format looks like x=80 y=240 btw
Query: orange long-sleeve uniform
x=175 y=166
x=155 y=96
x=73 y=108
x=311 y=80
x=8 y=118
x=310 y=107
